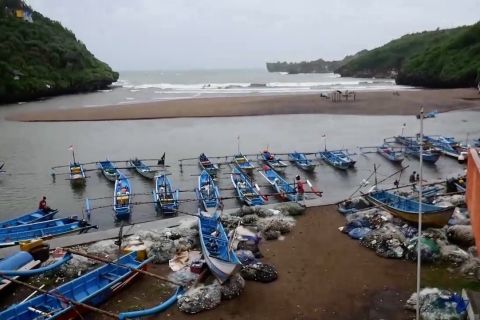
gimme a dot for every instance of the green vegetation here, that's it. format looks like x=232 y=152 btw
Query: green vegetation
x=43 y=58
x=437 y=59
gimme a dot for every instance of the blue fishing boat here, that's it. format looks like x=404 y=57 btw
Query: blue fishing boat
x=207 y=165
x=142 y=169
x=108 y=169
x=219 y=255
x=12 y=265
x=334 y=160
x=407 y=209
x=32 y=217
x=274 y=163
x=165 y=197
x=391 y=153
x=122 y=197
x=93 y=288
x=246 y=192
x=285 y=190
x=77 y=174
x=301 y=161
x=243 y=163
x=412 y=147
x=446 y=145
x=207 y=192
x=44 y=230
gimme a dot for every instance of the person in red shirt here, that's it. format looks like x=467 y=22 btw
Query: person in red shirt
x=42 y=205
x=300 y=189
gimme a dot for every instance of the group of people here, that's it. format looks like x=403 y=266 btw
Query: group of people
x=414 y=177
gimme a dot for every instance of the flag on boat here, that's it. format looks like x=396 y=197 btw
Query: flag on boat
x=70 y=148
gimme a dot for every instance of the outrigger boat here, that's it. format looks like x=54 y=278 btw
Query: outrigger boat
x=108 y=169
x=391 y=153
x=334 y=160
x=246 y=192
x=207 y=193
x=164 y=197
x=12 y=235
x=122 y=197
x=446 y=145
x=27 y=218
x=300 y=159
x=243 y=163
x=285 y=190
x=142 y=168
x=407 y=209
x=77 y=174
x=207 y=165
x=412 y=147
x=219 y=255
x=93 y=288
x=274 y=163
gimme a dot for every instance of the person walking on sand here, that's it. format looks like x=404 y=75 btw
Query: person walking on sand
x=299 y=189
x=412 y=177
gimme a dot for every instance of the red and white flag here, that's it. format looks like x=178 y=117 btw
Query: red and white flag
x=70 y=148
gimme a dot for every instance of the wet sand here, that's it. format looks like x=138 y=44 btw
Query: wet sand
x=322 y=275
x=366 y=103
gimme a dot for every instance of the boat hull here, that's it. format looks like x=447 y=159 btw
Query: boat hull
x=333 y=162
x=164 y=197
x=433 y=219
x=33 y=217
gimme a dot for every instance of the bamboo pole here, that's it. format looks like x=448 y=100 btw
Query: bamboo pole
x=62 y=297
x=153 y=275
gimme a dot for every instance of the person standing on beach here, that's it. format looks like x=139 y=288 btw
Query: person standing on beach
x=299 y=189
x=412 y=177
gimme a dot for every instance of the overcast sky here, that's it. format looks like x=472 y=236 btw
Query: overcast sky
x=186 y=34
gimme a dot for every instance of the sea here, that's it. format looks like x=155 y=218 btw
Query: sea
x=30 y=150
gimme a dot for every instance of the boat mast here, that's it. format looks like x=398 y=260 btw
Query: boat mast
x=419 y=238
x=238 y=144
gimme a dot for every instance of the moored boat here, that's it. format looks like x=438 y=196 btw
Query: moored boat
x=412 y=147
x=246 y=192
x=207 y=193
x=285 y=190
x=334 y=160
x=108 y=169
x=122 y=197
x=32 y=217
x=207 y=165
x=44 y=230
x=142 y=169
x=391 y=153
x=408 y=209
x=446 y=145
x=243 y=163
x=219 y=255
x=165 y=197
x=274 y=163
x=92 y=288
x=77 y=174
x=301 y=161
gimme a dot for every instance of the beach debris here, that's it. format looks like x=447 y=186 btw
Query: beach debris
x=259 y=271
x=251 y=246
x=179 y=261
x=453 y=254
x=359 y=233
x=162 y=251
x=461 y=235
x=104 y=248
x=438 y=305
x=271 y=234
x=290 y=209
x=471 y=268
x=246 y=257
x=460 y=216
x=233 y=287
x=429 y=250
x=350 y=206
x=204 y=297
x=451 y=200
x=278 y=223
x=183 y=276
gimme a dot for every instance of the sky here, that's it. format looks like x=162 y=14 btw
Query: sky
x=216 y=34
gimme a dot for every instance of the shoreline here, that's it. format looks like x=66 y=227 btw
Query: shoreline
x=366 y=103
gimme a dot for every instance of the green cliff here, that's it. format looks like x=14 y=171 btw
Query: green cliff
x=436 y=59
x=39 y=57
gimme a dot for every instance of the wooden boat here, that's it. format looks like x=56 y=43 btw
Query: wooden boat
x=164 y=197
x=93 y=288
x=446 y=145
x=142 y=169
x=246 y=192
x=300 y=159
x=285 y=190
x=274 y=163
x=332 y=159
x=32 y=217
x=412 y=147
x=122 y=197
x=207 y=192
x=407 y=209
x=218 y=254
x=44 y=230
x=108 y=169
x=25 y=258
x=207 y=165
x=243 y=163
x=77 y=174
x=391 y=153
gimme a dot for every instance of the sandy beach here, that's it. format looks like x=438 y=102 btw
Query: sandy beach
x=366 y=103
x=323 y=274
